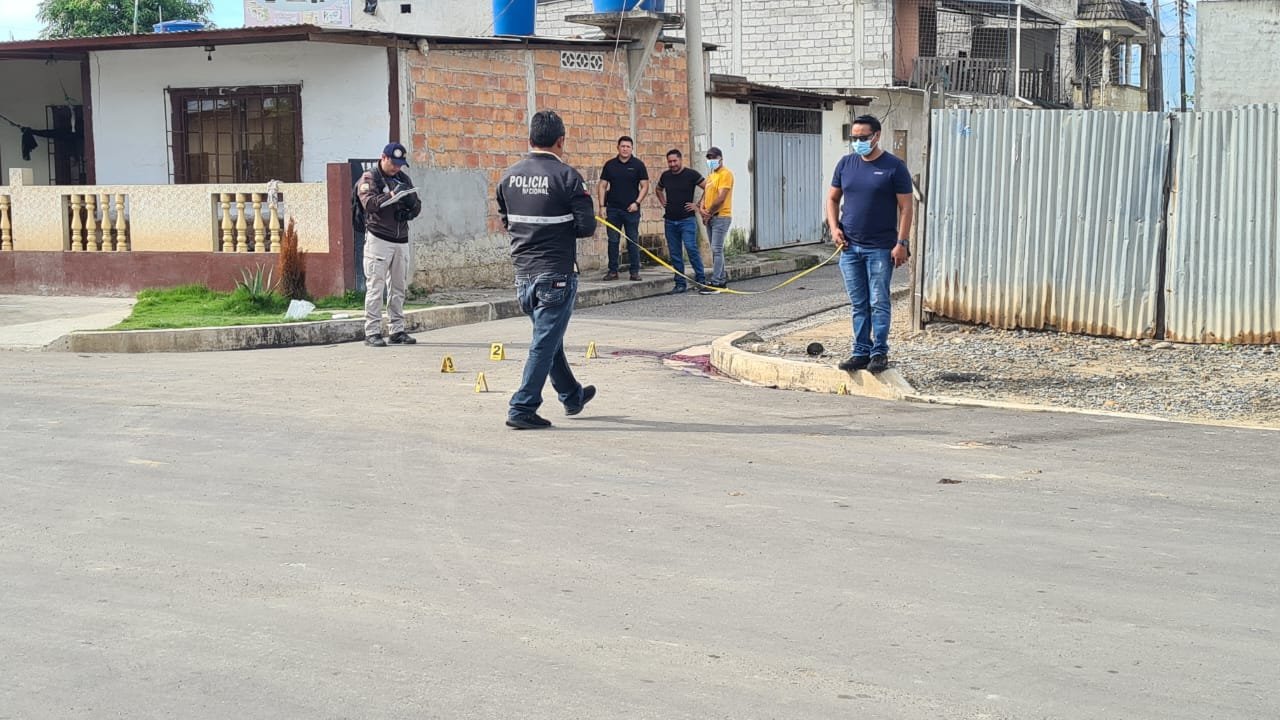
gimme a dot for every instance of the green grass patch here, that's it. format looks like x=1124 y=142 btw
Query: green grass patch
x=348 y=300
x=188 y=306
x=737 y=243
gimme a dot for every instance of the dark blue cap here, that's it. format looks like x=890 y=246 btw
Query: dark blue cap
x=397 y=153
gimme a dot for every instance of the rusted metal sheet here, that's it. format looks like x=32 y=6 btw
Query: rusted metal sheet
x=1046 y=220
x=1224 y=228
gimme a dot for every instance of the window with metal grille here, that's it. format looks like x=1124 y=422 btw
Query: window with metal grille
x=788 y=120
x=236 y=134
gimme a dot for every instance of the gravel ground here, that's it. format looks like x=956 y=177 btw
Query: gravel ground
x=1222 y=383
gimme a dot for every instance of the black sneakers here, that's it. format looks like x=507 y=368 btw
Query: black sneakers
x=401 y=338
x=878 y=363
x=679 y=290
x=374 y=340
x=855 y=362
x=529 y=421
x=588 y=392
x=710 y=288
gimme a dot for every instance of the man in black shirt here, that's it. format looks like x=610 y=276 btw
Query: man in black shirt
x=545 y=205
x=624 y=183
x=675 y=192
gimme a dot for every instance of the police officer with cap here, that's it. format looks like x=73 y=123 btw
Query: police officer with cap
x=389 y=201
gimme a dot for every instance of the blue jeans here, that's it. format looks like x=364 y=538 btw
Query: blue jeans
x=717 y=231
x=630 y=224
x=682 y=237
x=548 y=300
x=867 y=272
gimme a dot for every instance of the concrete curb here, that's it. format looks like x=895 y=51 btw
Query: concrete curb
x=327 y=332
x=785 y=374
x=1030 y=407
x=728 y=358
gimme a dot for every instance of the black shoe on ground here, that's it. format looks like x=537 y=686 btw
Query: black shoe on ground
x=401 y=338
x=878 y=363
x=588 y=392
x=708 y=289
x=374 y=340
x=679 y=289
x=611 y=275
x=854 y=362
x=529 y=421
x=635 y=276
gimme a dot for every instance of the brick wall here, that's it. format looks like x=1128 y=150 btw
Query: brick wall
x=469 y=122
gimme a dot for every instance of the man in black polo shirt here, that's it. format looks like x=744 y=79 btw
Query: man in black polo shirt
x=624 y=183
x=676 y=189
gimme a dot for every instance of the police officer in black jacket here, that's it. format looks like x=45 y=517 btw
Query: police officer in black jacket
x=385 y=194
x=545 y=206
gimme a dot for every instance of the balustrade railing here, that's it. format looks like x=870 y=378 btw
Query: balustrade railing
x=240 y=218
x=6 y=223
x=247 y=222
x=98 y=222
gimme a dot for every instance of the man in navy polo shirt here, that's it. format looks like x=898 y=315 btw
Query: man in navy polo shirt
x=873 y=229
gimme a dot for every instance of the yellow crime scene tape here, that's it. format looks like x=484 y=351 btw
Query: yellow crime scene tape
x=728 y=291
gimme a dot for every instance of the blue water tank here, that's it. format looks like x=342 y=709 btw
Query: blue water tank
x=514 y=17
x=171 y=26
x=613 y=6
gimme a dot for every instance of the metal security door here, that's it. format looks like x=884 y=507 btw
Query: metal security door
x=788 y=174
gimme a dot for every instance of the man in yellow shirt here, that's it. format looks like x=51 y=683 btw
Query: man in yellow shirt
x=717 y=213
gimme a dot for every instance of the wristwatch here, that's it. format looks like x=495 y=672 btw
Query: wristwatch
x=905 y=243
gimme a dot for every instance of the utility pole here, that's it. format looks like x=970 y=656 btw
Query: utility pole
x=699 y=140
x=1155 y=63
x=1182 y=52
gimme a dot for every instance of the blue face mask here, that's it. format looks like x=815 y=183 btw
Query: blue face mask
x=861 y=147
x=713 y=164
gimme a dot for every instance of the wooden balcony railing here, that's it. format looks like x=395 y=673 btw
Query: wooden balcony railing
x=981 y=76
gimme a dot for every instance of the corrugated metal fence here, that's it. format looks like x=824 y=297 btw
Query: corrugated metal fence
x=1224 y=228
x=1056 y=220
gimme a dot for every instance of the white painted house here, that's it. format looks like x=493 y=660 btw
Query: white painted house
x=909 y=55
x=155 y=109
x=1238 y=58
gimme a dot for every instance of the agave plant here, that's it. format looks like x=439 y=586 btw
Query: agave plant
x=257 y=284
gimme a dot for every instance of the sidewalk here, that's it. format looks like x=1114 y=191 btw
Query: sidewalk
x=31 y=322
x=76 y=324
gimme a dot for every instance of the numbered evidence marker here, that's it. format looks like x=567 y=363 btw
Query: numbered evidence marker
x=447 y=365
x=496 y=352
x=591 y=350
x=481 y=385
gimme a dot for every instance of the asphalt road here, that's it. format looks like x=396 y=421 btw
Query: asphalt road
x=343 y=532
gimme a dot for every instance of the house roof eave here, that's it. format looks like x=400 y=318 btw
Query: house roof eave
x=79 y=48
x=739 y=88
